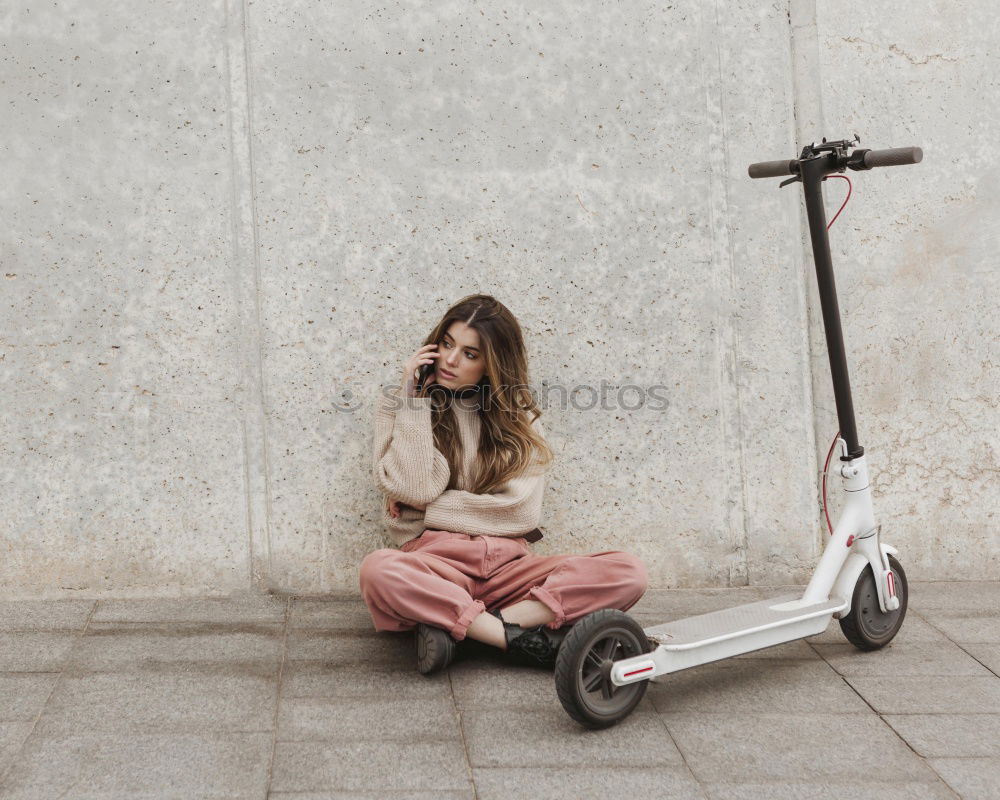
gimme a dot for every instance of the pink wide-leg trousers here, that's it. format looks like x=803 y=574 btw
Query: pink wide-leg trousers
x=447 y=579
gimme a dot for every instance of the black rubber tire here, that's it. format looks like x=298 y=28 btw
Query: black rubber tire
x=609 y=635
x=867 y=627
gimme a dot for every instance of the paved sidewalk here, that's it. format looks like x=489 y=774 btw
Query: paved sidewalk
x=297 y=698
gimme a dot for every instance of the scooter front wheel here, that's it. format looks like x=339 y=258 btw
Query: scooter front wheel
x=583 y=668
x=867 y=626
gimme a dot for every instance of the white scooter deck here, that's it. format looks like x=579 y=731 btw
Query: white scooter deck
x=854 y=544
x=716 y=626
x=709 y=637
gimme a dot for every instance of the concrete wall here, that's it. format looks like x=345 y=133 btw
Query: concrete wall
x=227 y=225
x=918 y=274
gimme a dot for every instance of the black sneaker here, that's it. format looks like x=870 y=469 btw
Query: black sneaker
x=537 y=646
x=435 y=648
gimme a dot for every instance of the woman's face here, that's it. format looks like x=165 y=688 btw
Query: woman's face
x=459 y=349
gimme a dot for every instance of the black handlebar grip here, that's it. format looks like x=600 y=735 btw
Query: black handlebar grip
x=894 y=157
x=770 y=169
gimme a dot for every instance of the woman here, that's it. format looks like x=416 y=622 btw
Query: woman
x=461 y=460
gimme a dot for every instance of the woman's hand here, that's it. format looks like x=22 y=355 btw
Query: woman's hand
x=425 y=355
x=395 y=506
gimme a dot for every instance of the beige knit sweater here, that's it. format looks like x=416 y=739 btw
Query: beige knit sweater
x=409 y=468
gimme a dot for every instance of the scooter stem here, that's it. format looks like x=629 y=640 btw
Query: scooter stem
x=813 y=170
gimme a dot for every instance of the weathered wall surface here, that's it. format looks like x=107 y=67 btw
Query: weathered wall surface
x=228 y=225
x=916 y=254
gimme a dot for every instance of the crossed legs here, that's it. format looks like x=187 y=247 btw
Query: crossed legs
x=526 y=613
x=404 y=588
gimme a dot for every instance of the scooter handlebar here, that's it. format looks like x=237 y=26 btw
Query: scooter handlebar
x=770 y=169
x=893 y=157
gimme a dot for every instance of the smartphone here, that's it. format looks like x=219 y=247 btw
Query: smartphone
x=422 y=375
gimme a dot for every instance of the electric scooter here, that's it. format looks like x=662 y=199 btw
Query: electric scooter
x=607 y=658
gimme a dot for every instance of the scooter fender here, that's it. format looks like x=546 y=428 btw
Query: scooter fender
x=843 y=587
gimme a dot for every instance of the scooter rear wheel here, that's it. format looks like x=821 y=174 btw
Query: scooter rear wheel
x=583 y=667
x=867 y=626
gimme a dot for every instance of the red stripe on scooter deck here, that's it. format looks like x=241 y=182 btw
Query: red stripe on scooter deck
x=637 y=672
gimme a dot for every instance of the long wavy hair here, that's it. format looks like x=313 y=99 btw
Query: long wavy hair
x=508 y=445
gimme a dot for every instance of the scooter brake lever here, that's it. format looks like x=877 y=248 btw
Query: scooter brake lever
x=790 y=180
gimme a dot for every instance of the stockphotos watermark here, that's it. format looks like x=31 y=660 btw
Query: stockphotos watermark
x=578 y=397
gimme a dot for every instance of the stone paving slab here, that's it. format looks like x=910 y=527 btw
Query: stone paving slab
x=954 y=595
x=764 y=748
x=972 y=778
x=385 y=649
x=576 y=783
x=949 y=735
x=30 y=651
x=986 y=654
x=321 y=679
x=383 y=794
x=113 y=646
x=241 y=610
x=830 y=790
x=331 y=615
x=904 y=694
x=12 y=735
x=159 y=702
x=905 y=658
x=964 y=612
x=338 y=718
x=131 y=765
x=22 y=694
x=371 y=766
x=740 y=687
x=966 y=627
x=45 y=615
x=550 y=738
x=299 y=698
